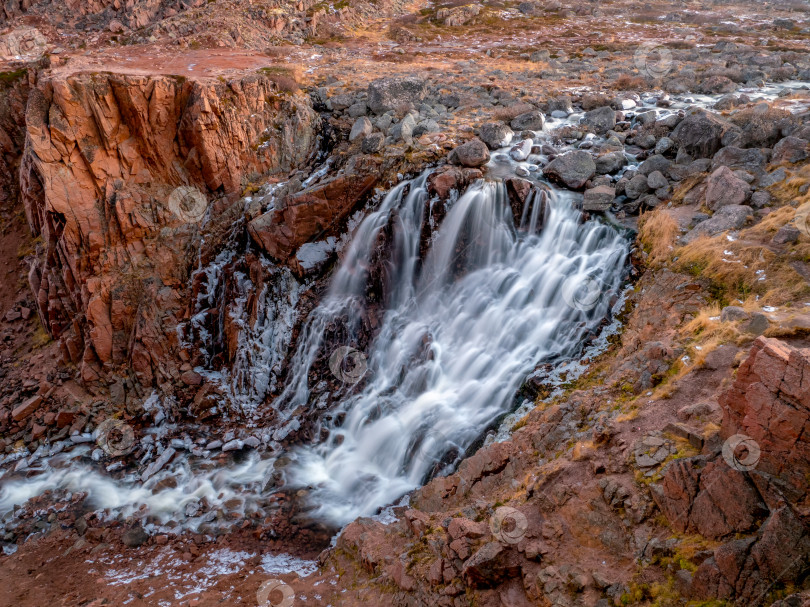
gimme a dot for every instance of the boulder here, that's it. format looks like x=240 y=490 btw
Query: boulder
x=474 y=153
x=790 y=149
x=496 y=135
x=724 y=188
x=362 y=128
x=611 y=162
x=752 y=160
x=600 y=120
x=529 y=121
x=599 y=198
x=309 y=213
x=387 y=94
x=700 y=134
x=636 y=187
x=572 y=169
x=489 y=566
x=731 y=217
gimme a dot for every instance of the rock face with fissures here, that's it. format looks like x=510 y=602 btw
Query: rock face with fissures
x=117 y=176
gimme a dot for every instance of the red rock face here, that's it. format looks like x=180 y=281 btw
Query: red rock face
x=770 y=402
x=103 y=155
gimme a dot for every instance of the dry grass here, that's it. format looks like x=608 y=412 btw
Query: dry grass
x=507 y=114
x=657 y=234
x=626 y=82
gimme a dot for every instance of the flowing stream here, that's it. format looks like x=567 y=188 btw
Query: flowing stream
x=466 y=313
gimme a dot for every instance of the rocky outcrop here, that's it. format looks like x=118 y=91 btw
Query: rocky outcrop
x=757 y=485
x=117 y=174
x=770 y=402
x=14 y=90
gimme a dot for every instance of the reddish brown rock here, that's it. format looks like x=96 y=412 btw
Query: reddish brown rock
x=308 y=214
x=26 y=408
x=104 y=153
x=770 y=402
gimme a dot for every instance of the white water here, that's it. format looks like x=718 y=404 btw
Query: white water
x=456 y=341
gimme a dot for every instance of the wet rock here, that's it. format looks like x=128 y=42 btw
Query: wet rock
x=529 y=121
x=599 y=198
x=391 y=93
x=572 y=169
x=521 y=151
x=450 y=178
x=724 y=188
x=600 y=120
x=496 y=135
x=304 y=215
x=158 y=464
x=790 y=149
x=474 y=153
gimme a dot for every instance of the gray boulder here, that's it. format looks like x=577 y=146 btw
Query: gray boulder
x=732 y=217
x=700 y=133
x=496 y=135
x=387 y=94
x=529 y=121
x=600 y=120
x=362 y=128
x=610 y=163
x=474 y=153
x=572 y=169
x=724 y=188
x=790 y=149
x=636 y=187
x=599 y=198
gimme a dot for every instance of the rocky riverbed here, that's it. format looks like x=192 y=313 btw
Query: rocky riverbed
x=241 y=239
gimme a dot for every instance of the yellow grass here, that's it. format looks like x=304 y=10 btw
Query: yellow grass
x=657 y=234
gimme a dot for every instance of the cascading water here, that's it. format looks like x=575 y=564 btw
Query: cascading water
x=449 y=329
x=460 y=332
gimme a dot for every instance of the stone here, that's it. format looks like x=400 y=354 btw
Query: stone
x=611 y=162
x=758 y=324
x=373 y=143
x=599 y=198
x=474 y=153
x=656 y=180
x=600 y=120
x=700 y=134
x=362 y=128
x=529 y=121
x=387 y=94
x=790 y=149
x=27 y=408
x=724 y=188
x=489 y=566
x=733 y=314
x=636 y=187
x=787 y=234
x=654 y=163
x=496 y=135
x=572 y=169
x=752 y=160
x=521 y=151
x=281 y=231
x=134 y=537
x=731 y=217
x=772 y=178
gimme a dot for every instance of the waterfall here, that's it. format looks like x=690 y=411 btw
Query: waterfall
x=461 y=329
